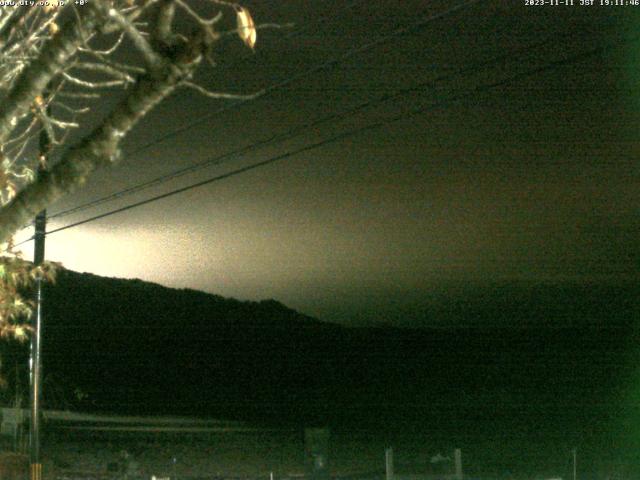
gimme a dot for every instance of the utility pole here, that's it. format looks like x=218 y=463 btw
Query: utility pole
x=316 y=442
x=388 y=464
x=36 y=337
x=457 y=454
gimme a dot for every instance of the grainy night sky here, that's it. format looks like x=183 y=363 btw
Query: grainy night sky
x=534 y=180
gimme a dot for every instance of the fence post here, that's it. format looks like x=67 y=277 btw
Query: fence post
x=388 y=463
x=316 y=442
x=458 y=459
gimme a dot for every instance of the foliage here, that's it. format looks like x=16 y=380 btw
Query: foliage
x=16 y=275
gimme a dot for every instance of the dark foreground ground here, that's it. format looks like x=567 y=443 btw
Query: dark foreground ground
x=536 y=371
x=357 y=455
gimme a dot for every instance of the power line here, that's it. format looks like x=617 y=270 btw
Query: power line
x=416 y=111
x=327 y=64
x=274 y=87
x=173 y=133
x=299 y=129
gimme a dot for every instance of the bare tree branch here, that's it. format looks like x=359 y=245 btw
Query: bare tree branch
x=107 y=69
x=9 y=22
x=101 y=147
x=161 y=32
x=43 y=64
x=221 y=95
x=151 y=58
x=93 y=85
x=35 y=78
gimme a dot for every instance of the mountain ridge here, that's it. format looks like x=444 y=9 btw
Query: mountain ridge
x=133 y=347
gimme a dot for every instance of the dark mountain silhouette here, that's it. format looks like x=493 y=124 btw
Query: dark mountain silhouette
x=138 y=347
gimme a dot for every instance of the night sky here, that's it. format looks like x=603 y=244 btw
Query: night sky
x=533 y=180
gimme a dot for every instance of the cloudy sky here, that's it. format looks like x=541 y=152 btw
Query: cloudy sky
x=506 y=151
